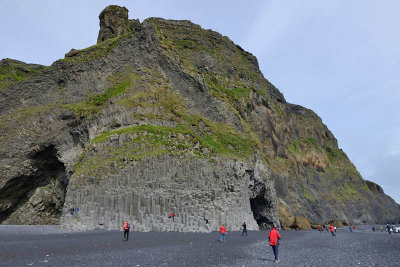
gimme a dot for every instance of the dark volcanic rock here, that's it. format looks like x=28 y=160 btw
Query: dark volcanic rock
x=13 y=71
x=72 y=53
x=374 y=187
x=114 y=22
x=93 y=129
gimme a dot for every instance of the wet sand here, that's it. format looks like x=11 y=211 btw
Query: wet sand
x=48 y=246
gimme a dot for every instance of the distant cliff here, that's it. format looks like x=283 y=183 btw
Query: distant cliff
x=164 y=116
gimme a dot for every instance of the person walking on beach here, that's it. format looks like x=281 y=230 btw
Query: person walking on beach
x=332 y=230
x=222 y=231
x=206 y=220
x=244 y=228
x=127 y=227
x=273 y=238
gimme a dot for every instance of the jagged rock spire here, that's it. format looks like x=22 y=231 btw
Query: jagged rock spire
x=114 y=22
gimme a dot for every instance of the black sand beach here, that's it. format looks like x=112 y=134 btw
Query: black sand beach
x=48 y=246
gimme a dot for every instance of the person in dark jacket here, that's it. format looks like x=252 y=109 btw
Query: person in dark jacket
x=244 y=228
x=388 y=228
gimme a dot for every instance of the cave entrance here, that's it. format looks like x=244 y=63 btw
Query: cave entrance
x=260 y=203
x=48 y=171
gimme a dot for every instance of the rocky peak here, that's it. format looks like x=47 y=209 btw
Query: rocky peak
x=114 y=22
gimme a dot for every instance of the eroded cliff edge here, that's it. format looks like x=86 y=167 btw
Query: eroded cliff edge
x=168 y=91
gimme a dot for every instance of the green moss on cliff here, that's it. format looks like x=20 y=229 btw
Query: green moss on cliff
x=373 y=187
x=119 y=84
x=191 y=134
x=190 y=43
x=235 y=95
x=335 y=154
x=347 y=192
x=149 y=140
x=306 y=194
x=218 y=140
x=232 y=92
x=14 y=71
x=97 y=51
x=10 y=122
x=233 y=87
x=305 y=143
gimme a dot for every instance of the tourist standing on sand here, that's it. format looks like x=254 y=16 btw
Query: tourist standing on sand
x=332 y=230
x=244 y=228
x=273 y=237
x=388 y=228
x=127 y=227
x=206 y=220
x=222 y=231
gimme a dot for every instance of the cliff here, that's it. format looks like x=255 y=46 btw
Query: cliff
x=164 y=116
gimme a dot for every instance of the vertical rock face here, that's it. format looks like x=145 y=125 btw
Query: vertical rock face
x=164 y=115
x=147 y=192
x=114 y=22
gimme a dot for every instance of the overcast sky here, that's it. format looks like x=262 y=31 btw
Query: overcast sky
x=338 y=58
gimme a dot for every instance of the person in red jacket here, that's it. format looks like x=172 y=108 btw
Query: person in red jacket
x=127 y=227
x=319 y=228
x=222 y=231
x=172 y=216
x=273 y=237
x=332 y=230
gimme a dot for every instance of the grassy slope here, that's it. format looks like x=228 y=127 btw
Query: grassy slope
x=14 y=71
